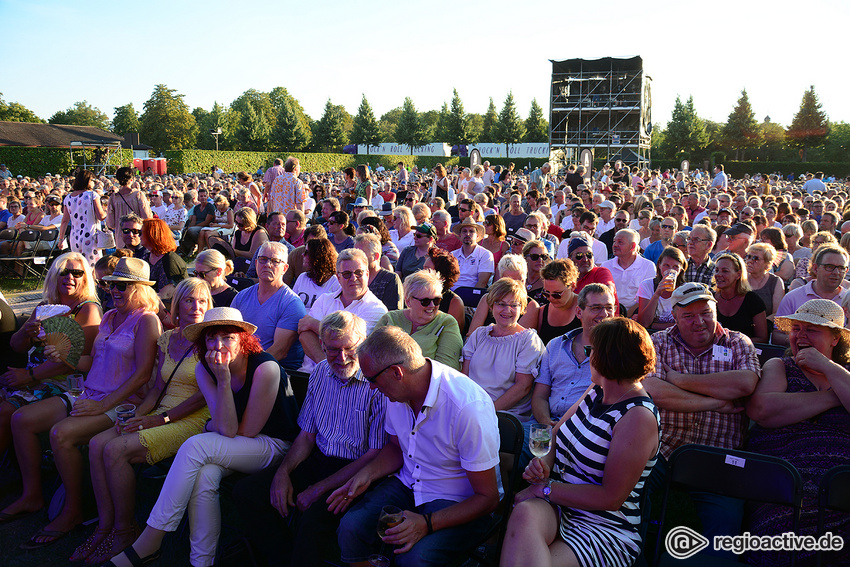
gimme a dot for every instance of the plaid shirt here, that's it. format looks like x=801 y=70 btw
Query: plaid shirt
x=703 y=427
x=700 y=273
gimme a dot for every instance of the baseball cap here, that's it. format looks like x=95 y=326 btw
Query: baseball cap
x=739 y=228
x=606 y=205
x=687 y=293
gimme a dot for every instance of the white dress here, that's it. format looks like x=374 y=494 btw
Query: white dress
x=83 y=224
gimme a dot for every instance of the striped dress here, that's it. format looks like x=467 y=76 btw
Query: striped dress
x=599 y=537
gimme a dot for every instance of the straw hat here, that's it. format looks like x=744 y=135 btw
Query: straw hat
x=218 y=317
x=469 y=221
x=131 y=270
x=821 y=312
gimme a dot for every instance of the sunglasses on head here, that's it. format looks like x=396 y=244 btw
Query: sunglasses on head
x=426 y=301
x=133 y=231
x=75 y=273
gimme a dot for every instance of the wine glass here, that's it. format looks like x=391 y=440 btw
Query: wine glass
x=540 y=440
x=390 y=516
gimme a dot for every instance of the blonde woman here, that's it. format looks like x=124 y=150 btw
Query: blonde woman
x=402 y=233
x=213 y=267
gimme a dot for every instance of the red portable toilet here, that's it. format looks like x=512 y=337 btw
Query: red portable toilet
x=149 y=163
x=161 y=166
x=139 y=164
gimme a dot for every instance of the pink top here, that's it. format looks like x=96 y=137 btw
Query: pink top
x=114 y=357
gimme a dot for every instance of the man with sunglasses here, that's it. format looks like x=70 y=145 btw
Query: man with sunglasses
x=352 y=271
x=342 y=429
x=439 y=465
x=628 y=267
x=619 y=222
x=669 y=227
x=131 y=231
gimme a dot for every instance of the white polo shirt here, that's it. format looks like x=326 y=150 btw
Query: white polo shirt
x=480 y=260
x=627 y=281
x=456 y=431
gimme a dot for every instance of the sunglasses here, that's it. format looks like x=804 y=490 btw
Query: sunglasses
x=426 y=301
x=133 y=231
x=587 y=350
x=535 y=257
x=348 y=273
x=76 y=273
x=668 y=226
x=553 y=294
x=749 y=257
x=371 y=379
x=120 y=286
x=583 y=255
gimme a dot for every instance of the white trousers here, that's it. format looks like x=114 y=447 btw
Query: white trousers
x=193 y=480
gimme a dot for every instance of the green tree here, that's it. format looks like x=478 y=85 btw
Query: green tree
x=254 y=132
x=488 y=128
x=289 y=134
x=388 y=123
x=410 y=129
x=685 y=131
x=330 y=128
x=810 y=126
x=741 y=130
x=536 y=126
x=16 y=112
x=219 y=118
x=441 y=132
x=365 y=130
x=81 y=114
x=837 y=144
x=476 y=127
x=509 y=128
x=126 y=120
x=277 y=96
x=166 y=123
x=459 y=123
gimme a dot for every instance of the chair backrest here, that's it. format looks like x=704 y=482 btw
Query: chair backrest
x=8 y=234
x=471 y=296
x=241 y=264
x=50 y=234
x=298 y=381
x=29 y=235
x=239 y=283
x=766 y=352
x=833 y=494
x=511 y=439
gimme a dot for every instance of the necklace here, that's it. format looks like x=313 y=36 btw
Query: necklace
x=624 y=394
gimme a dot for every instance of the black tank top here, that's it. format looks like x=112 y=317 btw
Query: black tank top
x=547 y=332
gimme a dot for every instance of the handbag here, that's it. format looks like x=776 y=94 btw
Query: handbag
x=102 y=238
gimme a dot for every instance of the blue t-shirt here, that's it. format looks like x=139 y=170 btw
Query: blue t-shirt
x=653 y=251
x=5 y=215
x=283 y=310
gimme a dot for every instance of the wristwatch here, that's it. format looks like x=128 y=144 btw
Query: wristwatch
x=547 y=490
x=165 y=417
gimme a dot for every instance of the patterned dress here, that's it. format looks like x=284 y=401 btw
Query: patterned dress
x=164 y=441
x=814 y=446
x=599 y=538
x=83 y=224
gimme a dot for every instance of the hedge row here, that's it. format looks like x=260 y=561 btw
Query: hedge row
x=33 y=162
x=202 y=161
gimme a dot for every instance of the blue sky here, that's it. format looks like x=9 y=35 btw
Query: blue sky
x=112 y=53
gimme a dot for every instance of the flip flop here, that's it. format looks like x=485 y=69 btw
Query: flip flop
x=6 y=518
x=134 y=558
x=54 y=534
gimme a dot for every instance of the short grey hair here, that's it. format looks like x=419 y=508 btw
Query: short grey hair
x=274 y=248
x=342 y=324
x=423 y=281
x=514 y=262
x=369 y=241
x=390 y=345
x=707 y=230
x=352 y=254
x=441 y=214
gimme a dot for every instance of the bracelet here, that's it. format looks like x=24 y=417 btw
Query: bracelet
x=428 y=523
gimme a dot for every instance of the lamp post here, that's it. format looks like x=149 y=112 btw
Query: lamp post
x=216 y=133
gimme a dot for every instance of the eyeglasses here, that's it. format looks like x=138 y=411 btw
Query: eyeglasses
x=535 y=257
x=668 y=226
x=76 y=273
x=335 y=352
x=832 y=267
x=553 y=294
x=102 y=284
x=503 y=305
x=752 y=257
x=426 y=301
x=266 y=260
x=463 y=210
x=583 y=255
x=694 y=240
x=133 y=231
x=348 y=273
x=535 y=225
x=120 y=286
x=371 y=379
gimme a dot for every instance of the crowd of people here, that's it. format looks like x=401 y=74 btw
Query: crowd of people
x=623 y=308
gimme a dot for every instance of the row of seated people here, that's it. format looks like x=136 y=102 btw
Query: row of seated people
x=704 y=379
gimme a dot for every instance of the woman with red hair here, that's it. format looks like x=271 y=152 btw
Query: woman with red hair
x=167 y=268
x=252 y=426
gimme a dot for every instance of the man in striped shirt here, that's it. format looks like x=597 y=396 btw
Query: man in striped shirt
x=342 y=429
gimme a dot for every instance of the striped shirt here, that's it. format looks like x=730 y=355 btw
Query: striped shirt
x=599 y=537
x=711 y=428
x=346 y=416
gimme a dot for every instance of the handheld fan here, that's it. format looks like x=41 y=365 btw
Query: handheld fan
x=67 y=338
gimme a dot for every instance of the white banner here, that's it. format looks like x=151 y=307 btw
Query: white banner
x=390 y=149
x=534 y=150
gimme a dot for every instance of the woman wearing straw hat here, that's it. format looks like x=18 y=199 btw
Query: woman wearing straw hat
x=119 y=368
x=801 y=409
x=253 y=423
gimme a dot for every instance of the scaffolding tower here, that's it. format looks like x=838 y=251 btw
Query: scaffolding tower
x=107 y=156
x=602 y=105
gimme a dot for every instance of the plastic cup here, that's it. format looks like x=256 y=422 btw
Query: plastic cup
x=124 y=412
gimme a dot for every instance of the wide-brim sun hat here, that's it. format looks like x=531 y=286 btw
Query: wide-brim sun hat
x=133 y=270
x=218 y=317
x=821 y=312
x=469 y=221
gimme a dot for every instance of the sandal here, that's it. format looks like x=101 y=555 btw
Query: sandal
x=52 y=535
x=88 y=546
x=105 y=551
x=134 y=558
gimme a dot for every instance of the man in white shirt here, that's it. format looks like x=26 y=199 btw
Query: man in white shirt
x=157 y=205
x=476 y=262
x=352 y=271
x=606 y=218
x=488 y=174
x=441 y=459
x=628 y=267
x=815 y=183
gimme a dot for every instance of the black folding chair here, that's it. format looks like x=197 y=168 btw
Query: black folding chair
x=511 y=437
x=26 y=260
x=736 y=474
x=45 y=256
x=833 y=494
x=766 y=352
x=239 y=283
